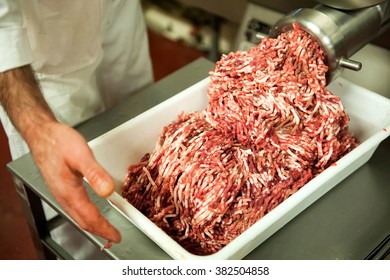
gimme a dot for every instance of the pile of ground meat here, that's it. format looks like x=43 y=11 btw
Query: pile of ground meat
x=269 y=128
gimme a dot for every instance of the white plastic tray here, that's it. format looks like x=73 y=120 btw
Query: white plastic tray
x=127 y=143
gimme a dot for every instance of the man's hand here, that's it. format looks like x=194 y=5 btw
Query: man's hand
x=64 y=158
x=61 y=153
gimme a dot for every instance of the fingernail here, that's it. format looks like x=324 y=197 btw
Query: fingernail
x=105 y=188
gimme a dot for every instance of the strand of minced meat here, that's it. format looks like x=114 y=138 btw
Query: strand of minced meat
x=269 y=128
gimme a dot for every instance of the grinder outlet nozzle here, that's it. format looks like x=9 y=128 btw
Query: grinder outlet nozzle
x=340 y=33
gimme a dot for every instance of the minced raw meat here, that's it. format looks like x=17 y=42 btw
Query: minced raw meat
x=269 y=128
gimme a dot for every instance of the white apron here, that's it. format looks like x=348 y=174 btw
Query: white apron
x=88 y=55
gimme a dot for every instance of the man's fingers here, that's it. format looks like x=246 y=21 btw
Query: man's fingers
x=85 y=213
x=88 y=217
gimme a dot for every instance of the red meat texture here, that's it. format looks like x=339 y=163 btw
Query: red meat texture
x=269 y=128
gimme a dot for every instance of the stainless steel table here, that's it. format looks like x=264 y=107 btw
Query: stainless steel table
x=348 y=222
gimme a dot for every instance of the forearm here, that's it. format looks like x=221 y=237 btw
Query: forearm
x=60 y=152
x=21 y=98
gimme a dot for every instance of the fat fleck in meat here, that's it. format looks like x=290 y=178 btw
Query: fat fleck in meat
x=269 y=128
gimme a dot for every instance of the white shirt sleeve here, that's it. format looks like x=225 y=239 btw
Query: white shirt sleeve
x=15 y=47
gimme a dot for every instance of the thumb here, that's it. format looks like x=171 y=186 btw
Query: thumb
x=101 y=184
x=98 y=178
